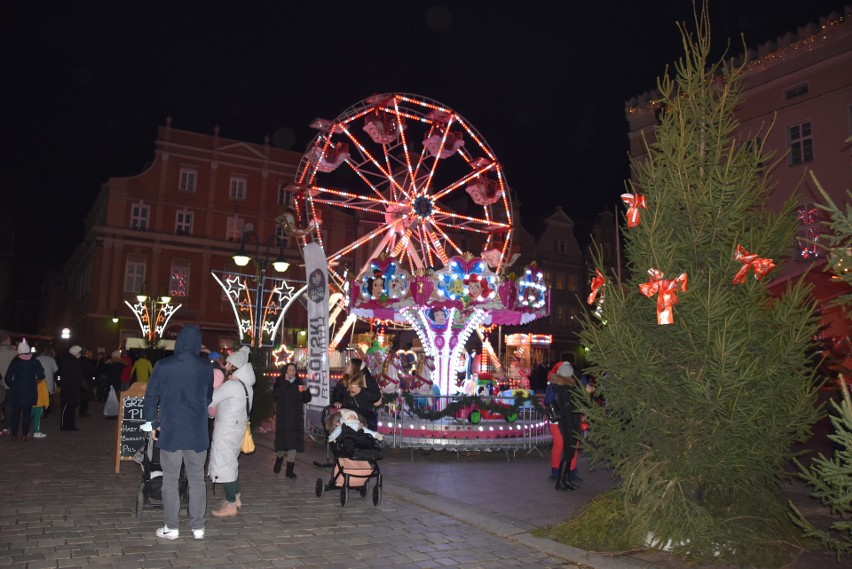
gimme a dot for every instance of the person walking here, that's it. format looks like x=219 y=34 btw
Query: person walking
x=69 y=391
x=291 y=395
x=179 y=390
x=87 y=365
x=230 y=406
x=22 y=377
x=51 y=368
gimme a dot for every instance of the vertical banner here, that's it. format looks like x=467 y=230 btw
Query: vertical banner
x=316 y=272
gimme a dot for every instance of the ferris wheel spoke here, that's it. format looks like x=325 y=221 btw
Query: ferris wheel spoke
x=363 y=239
x=463 y=180
x=435 y=244
x=442 y=253
x=388 y=175
x=450 y=219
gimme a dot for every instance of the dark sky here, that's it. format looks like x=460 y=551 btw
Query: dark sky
x=86 y=84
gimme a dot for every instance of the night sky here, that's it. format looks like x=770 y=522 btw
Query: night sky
x=85 y=86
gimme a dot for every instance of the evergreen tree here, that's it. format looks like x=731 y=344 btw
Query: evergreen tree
x=701 y=413
x=831 y=478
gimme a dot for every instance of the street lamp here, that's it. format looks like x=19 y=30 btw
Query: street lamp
x=256 y=317
x=153 y=313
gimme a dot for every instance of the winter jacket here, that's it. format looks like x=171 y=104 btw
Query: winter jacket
x=22 y=378
x=7 y=354
x=50 y=369
x=229 y=402
x=564 y=390
x=71 y=381
x=364 y=402
x=141 y=370
x=290 y=413
x=179 y=390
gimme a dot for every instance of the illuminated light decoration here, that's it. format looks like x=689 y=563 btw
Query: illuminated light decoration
x=242 y=292
x=532 y=290
x=406 y=193
x=444 y=307
x=153 y=316
x=282 y=355
x=808 y=239
x=772 y=54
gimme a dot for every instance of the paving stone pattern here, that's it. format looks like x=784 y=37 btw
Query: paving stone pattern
x=63 y=506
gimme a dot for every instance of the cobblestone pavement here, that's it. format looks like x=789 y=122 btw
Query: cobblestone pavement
x=63 y=506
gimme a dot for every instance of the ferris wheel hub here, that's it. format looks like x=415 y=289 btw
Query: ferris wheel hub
x=422 y=207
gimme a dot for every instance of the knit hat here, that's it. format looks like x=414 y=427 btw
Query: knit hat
x=239 y=358
x=23 y=347
x=75 y=351
x=214 y=356
x=565 y=370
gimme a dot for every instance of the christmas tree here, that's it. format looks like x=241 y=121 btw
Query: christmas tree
x=705 y=374
x=831 y=478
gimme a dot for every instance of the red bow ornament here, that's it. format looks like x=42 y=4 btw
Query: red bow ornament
x=667 y=293
x=597 y=282
x=633 y=203
x=760 y=266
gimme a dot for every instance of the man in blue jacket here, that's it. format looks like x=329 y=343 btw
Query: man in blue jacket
x=179 y=390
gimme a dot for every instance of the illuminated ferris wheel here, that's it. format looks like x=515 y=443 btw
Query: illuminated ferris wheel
x=420 y=182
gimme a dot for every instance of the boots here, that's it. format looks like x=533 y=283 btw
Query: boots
x=290 y=473
x=278 y=462
x=226 y=510
x=563 y=482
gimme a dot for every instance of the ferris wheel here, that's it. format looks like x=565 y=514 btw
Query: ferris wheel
x=420 y=183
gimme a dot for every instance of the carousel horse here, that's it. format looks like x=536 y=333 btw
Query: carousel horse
x=389 y=381
x=422 y=383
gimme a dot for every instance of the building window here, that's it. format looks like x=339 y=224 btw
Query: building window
x=281 y=237
x=134 y=273
x=559 y=281
x=573 y=282
x=548 y=277
x=187 y=179
x=238 y=188
x=560 y=314
x=139 y=215
x=285 y=197
x=234 y=228
x=179 y=278
x=807 y=232
x=559 y=246
x=183 y=222
x=796 y=91
x=800 y=143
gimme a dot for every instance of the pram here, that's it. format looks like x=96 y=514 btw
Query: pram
x=150 y=494
x=356 y=456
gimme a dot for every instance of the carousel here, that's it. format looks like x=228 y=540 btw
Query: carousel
x=426 y=190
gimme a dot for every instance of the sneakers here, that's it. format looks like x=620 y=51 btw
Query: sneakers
x=166 y=532
x=38 y=435
x=198 y=533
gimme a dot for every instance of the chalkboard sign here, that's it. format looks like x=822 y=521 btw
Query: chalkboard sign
x=129 y=435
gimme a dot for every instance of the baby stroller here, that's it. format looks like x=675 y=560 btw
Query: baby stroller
x=151 y=487
x=355 y=463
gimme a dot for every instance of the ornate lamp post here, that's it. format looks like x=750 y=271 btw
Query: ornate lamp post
x=153 y=314
x=258 y=301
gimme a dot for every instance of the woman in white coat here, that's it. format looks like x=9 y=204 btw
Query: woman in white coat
x=229 y=410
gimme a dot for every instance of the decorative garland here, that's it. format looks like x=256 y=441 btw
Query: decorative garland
x=463 y=402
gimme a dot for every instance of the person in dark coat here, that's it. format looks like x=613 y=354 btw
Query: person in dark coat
x=356 y=393
x=565 y=386
x=291 y=395
x=179 y=391
x=114 y=371
x=22 y=377
x=69 y=392
x=87 y=364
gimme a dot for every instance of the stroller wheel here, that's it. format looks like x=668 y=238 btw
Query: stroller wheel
x=377 y=494
x=319 y=487
x=363 y=490
x=140 y=501
x=344 y=495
